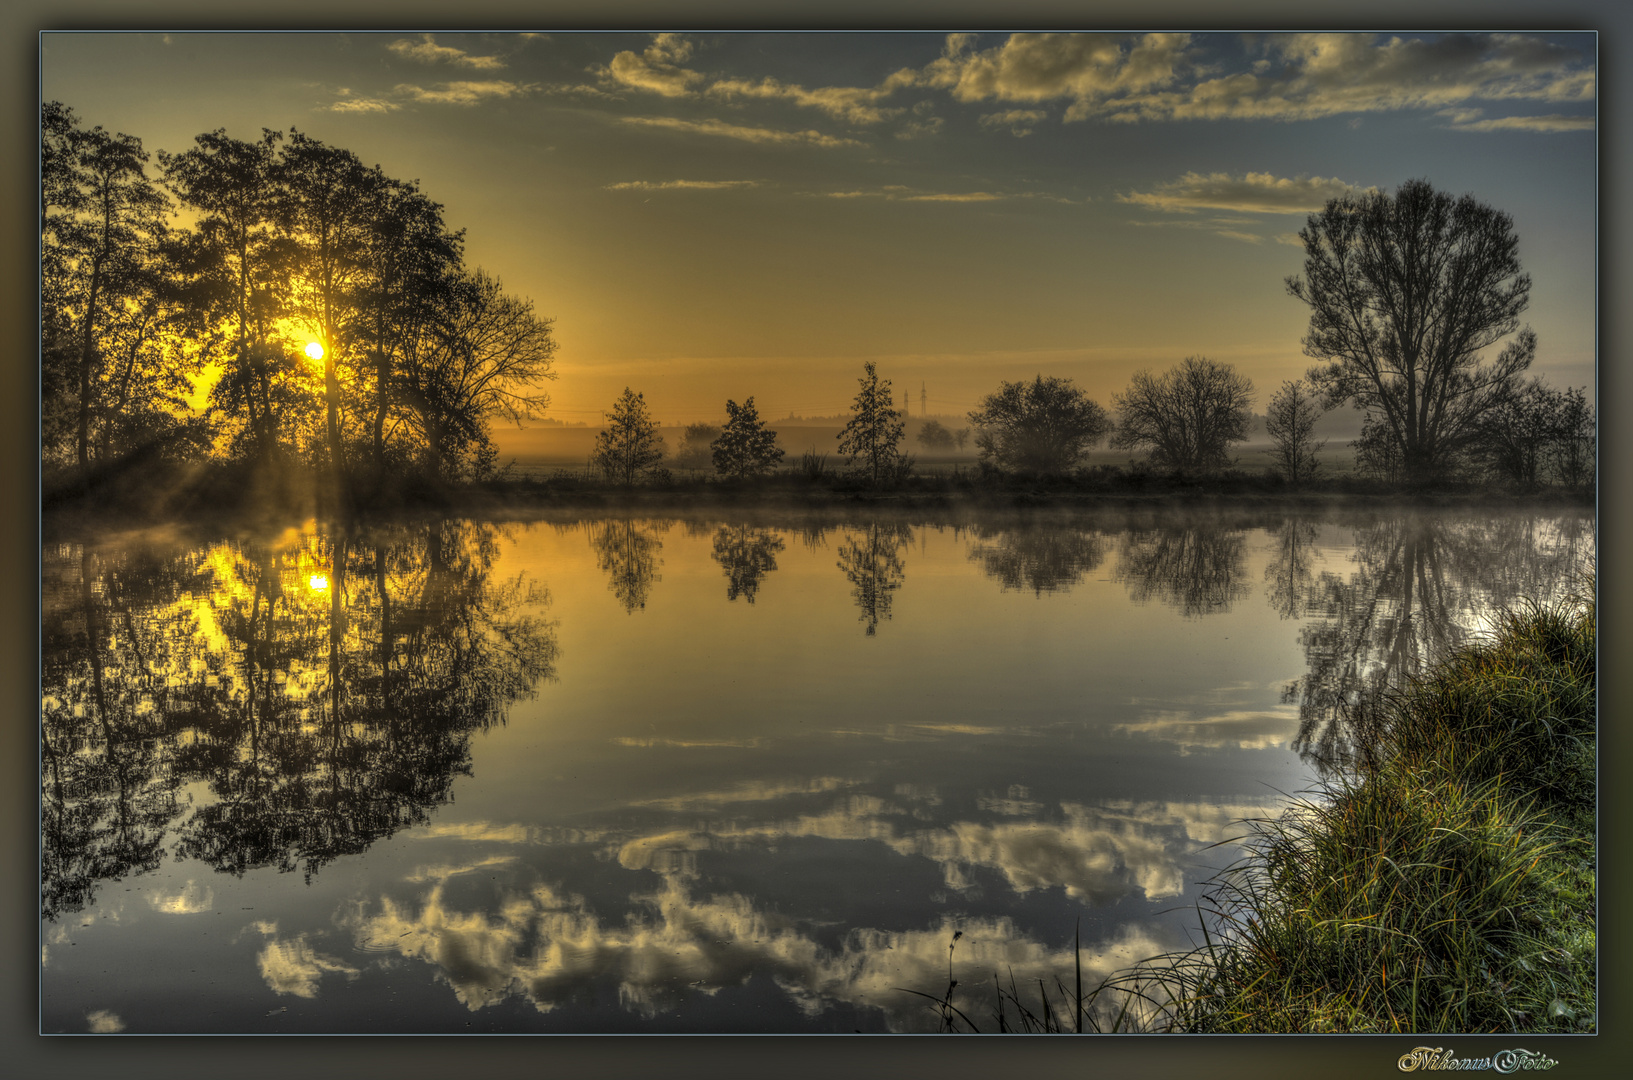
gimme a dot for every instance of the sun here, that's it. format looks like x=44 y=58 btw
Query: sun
x=318 y=582
x=314 y=349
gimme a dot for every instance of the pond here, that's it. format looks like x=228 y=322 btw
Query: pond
x=747 y=772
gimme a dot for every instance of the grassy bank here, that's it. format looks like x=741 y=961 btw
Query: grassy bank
x=1446 y=886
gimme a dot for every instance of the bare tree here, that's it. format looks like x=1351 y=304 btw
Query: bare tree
x=1290 y=423
x=1405 y=292
x=1188 y=416
x=486 y=357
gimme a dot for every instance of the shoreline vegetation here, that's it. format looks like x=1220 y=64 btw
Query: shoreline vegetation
x=1445 y=884
x=241 y=492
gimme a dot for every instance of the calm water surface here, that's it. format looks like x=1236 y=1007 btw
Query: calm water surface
x=741 y=774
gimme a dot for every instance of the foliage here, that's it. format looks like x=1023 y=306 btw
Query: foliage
x=694 y=452
x=1188 y=416
x=746 y=447
x=1539 y=431
x=1405 y=292
x=291 y=241
x=1045 y=426
x=1290 y=422
x=871 y=437
x=630 y=444
x=1448 y=885
x=482 y=357
x=112 y=371
x=933 y=435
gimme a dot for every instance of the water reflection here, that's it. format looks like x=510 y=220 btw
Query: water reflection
x=871 y=557
x=245 y=704
x=628 y=552
x=536 y=936
x=747 y=554
x=1197 y=567
x=1422 y=583
x=1288 y=579
x=323 y=690
x=1042 y=558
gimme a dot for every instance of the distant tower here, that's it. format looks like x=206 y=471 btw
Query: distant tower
x=924 y=410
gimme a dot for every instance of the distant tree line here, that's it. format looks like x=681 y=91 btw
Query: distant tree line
x=1406 y=293
x=326 y=306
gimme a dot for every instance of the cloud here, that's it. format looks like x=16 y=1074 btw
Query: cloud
x=1241 y=729
x=738 y=131
x=427 y=51
x=294 y=967
x=900 y=193
x=1084 y=69
x=856 y=104
x=1254 y=193
x=464 y=93
x=1018 y=121
x=680 y=185
x=549 y=947
x=364 y=105
x=1309 y=76
x=103 y=1022
x=190 y=900
x=1551 y=123
x=656 y=70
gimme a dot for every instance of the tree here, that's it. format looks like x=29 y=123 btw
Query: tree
x=324 y=193
x=102 y=220
x=1290 y=423
x=745 y=447
x=875 y=429
x=1188 y=417
x=484 y=357
x=630 y=443
x=695 y=443
x=232 y=185
x=412 y=263
x=935 y=436
x=1405 y=292
x=1575 y=439
x=1045 y=426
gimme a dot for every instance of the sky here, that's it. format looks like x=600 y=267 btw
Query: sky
x=715 y=215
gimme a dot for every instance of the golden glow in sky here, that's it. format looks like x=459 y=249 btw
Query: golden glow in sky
x=719 y=215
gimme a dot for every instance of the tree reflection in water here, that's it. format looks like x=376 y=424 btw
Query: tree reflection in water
x=747 y=554
x=1195 y=567
x=628 y=552
x=1044 y=558
x=1423 y=582
x=324 y=690
x=871 y=557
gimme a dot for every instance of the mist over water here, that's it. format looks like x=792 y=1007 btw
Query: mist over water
x=700 y=773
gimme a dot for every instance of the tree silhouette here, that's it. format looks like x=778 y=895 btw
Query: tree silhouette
x=629 y=555
x=1043 y=558
x=1290 y=422
x=745 y=447
x=1045 y=426
x=1188 y=416
x=871 y=558
x=1197 y=568
x=694 y=450
x=747 y=554
x=630 y=444
x=1405 y=293
x=873 y=433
